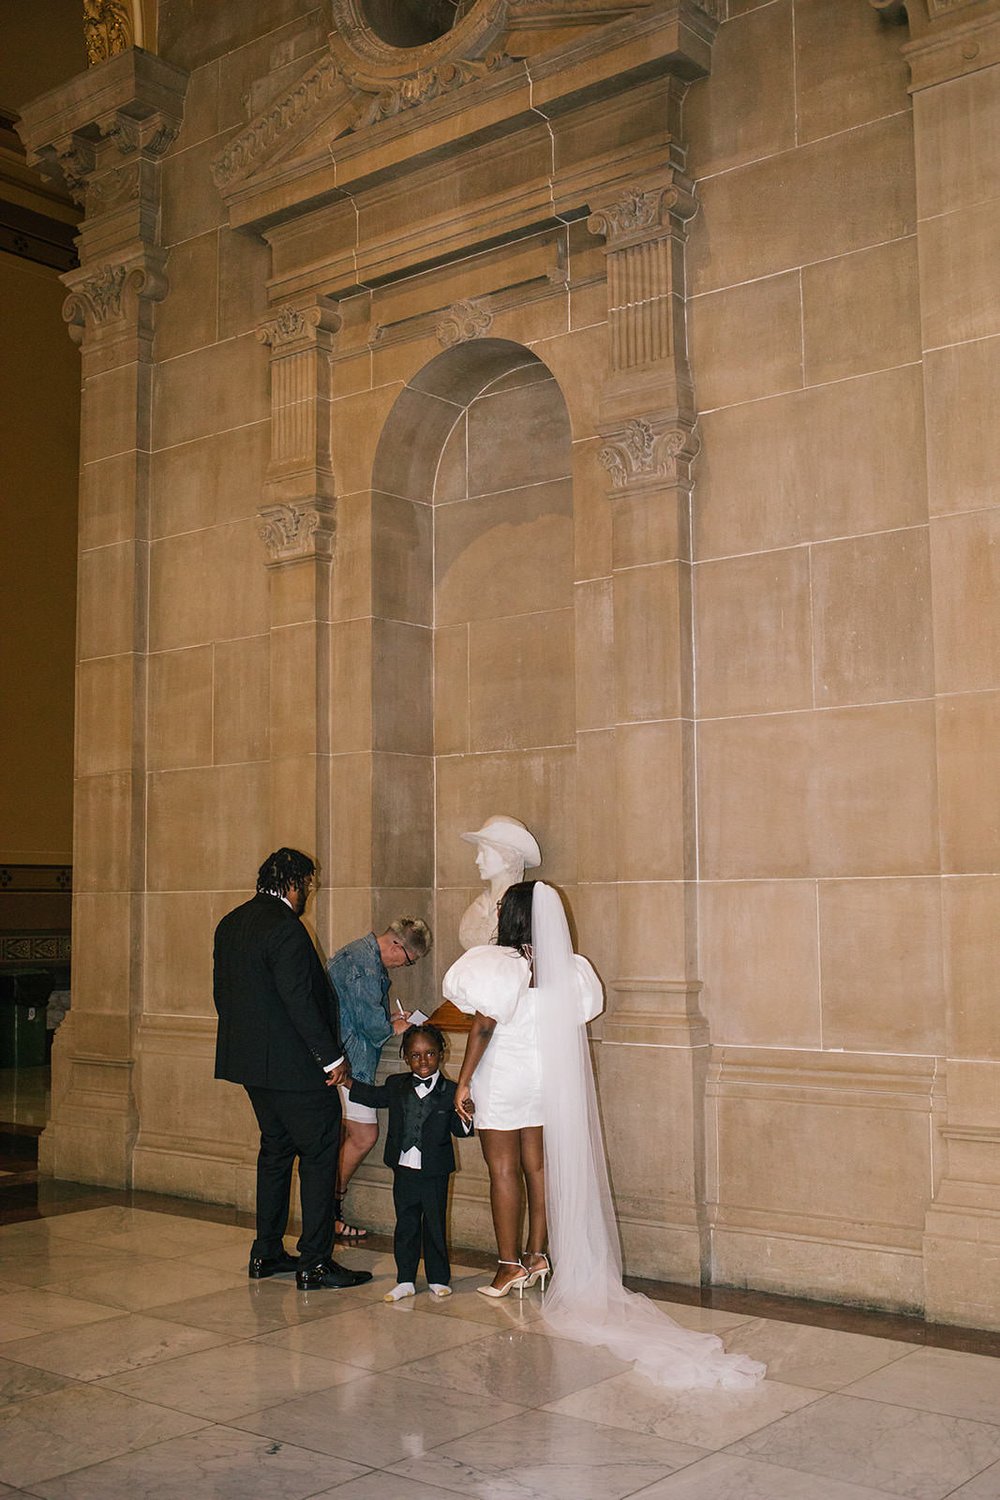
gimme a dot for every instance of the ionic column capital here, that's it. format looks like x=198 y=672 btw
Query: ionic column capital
x=644 y=210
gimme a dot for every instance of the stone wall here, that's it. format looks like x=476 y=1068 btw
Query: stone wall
x=584 y=418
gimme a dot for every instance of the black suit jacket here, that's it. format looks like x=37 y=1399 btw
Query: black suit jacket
x=437 y=1154
x=278 y=1016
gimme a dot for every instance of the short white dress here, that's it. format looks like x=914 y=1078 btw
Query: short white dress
x=507 y=1084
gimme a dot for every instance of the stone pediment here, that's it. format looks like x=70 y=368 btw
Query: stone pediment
x=395 y=67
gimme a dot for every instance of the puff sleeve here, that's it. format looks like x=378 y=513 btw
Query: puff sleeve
x=488 y=979
x=591 y=990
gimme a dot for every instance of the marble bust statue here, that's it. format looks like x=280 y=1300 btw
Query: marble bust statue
x=504 y=850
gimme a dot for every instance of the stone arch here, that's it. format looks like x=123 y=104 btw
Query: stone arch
x=473 y=639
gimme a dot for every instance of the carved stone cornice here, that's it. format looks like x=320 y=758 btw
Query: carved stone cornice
x=114 y=298
x=292 y=532
x=464 y=321
x=103 y=134
x=950 y=39
x=649 y=454
x=368 y=99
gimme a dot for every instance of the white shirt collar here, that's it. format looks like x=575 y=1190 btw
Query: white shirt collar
x=428 y=1083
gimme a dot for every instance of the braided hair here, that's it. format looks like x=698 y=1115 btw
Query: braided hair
x=283 y=869
x=427 y=1029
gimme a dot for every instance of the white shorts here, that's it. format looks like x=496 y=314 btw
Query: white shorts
x=363 y=1113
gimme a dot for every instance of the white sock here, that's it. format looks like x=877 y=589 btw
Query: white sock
x=439 y=1288
x=400 y=1290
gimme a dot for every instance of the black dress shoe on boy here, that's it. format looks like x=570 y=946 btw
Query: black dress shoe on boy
x=263 y=1265
x=329 y=1275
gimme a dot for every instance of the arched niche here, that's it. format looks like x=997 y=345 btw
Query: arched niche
x=473 y=698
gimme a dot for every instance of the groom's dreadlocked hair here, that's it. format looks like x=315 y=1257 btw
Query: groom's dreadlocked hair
x=283 y=869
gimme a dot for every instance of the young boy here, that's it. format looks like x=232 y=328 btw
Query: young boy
x=418 y=1148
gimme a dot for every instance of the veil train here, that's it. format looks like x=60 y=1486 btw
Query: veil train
x=586 y=1300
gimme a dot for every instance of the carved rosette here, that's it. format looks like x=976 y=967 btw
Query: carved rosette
x=294 y=531
x=646 y=454
x=464 y=321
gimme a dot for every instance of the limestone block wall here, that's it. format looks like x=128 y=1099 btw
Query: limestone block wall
x=819 y=893
x=608 y=444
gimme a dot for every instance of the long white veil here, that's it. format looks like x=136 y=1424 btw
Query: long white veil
x=586 y=1300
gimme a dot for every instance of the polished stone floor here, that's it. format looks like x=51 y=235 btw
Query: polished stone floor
x=138 y=1363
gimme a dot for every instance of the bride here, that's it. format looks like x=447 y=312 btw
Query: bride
x=527 y=1077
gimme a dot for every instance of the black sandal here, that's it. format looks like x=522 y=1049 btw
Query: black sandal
x=351 y=1234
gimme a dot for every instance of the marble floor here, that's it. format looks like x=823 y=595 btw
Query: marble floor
x=137 y=1362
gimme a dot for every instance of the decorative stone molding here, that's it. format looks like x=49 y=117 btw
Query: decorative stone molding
x=423 y=87
x=298 y=326
x=359 y=48
x=119 y=294
x=104 y=136
x=292 y=532
x=107 y=29
x=637 y=210
x=643 y=229
x=293 y=109
x=296 y=517
x=647 y=454
x=464 y=321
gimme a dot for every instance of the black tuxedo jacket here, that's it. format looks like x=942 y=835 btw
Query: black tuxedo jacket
x=437 y=1154
x=278 y=1016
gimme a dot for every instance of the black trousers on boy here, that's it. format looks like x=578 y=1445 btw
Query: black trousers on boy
x=421 y=1203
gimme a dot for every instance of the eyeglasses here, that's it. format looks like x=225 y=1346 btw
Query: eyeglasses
x=408 y=958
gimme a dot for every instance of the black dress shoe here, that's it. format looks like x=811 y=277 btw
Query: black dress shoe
x=263 y=1265
x=328 y=1274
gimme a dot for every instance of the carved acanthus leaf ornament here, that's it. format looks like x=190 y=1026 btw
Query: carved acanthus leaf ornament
x=423 y=88
x=107 y=29
x=111 y=295
x=292 y=325
x=291 y=532
x=643 y=454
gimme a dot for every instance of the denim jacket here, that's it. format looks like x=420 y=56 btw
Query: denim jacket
x=361 y=981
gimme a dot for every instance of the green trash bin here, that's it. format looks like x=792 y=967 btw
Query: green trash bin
x=24 y=996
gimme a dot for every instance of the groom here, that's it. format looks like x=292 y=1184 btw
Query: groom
x=279 y=1036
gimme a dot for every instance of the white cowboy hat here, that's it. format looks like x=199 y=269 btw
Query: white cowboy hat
x=507 y=833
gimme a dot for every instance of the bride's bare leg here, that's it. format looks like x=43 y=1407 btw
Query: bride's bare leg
x=502 y=1152
x=533 y=1166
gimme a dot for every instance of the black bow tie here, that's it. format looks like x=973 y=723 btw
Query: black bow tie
x=420 y=1083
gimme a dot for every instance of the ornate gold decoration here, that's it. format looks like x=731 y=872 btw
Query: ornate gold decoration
x=643 y=454
x=462 y=322
x=107 y=29
x=290 y=532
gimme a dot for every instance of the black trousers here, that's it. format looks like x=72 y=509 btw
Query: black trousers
x=303 y=1124
x=421 y=1204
